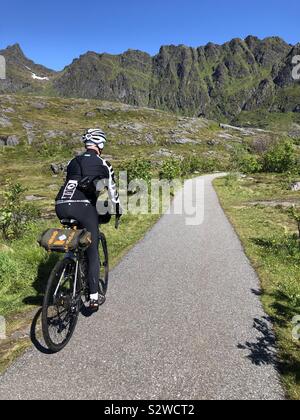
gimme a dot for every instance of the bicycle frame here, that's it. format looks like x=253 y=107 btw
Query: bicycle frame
x=76 y=279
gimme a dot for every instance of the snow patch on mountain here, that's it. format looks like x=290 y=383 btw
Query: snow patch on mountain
x=34 y=76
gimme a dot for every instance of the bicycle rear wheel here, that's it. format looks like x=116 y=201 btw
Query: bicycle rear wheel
x=104 y=269
x=60 y=310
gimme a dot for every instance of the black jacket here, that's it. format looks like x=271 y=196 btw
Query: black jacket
x=88 y=165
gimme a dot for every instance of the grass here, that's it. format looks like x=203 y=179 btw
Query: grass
x=269 y=236
x=279 y=121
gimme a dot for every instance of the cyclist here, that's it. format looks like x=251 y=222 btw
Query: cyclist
x=77 y=200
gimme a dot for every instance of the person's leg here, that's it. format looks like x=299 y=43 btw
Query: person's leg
x=88 y=218
x=91 y=224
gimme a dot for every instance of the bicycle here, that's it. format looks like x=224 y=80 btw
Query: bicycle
x=67 y=291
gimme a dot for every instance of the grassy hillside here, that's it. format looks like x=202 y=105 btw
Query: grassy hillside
x=277 y=121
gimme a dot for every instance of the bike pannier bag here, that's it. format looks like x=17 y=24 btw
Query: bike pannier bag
x=64 y=240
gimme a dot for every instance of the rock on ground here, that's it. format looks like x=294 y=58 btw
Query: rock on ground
x=11 y=141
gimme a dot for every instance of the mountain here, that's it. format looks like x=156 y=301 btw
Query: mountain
x=214 y=81
x=23 y=75
x=124 y=78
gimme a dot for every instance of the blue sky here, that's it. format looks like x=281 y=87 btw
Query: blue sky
x=54 y=32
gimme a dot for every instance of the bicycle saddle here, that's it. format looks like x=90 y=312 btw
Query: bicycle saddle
x=70 y=223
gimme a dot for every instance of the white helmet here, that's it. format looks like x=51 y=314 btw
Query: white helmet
x=94 y=137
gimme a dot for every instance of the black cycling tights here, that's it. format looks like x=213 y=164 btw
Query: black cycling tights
x=87 y=216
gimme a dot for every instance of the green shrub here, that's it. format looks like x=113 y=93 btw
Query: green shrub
x=244 y=161
x=210 y=164
x=193 y=164
x=138 y=169
x=15 y=215
x=249 y=164
x=280 y=159
x=171 y=169
x=189 y=165
x=296 y=141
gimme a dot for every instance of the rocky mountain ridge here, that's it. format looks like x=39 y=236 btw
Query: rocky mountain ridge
x=213 y=81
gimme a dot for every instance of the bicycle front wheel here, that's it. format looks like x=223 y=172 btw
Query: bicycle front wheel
x=60 y=309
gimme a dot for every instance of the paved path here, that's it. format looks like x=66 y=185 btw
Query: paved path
x=183 y=320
